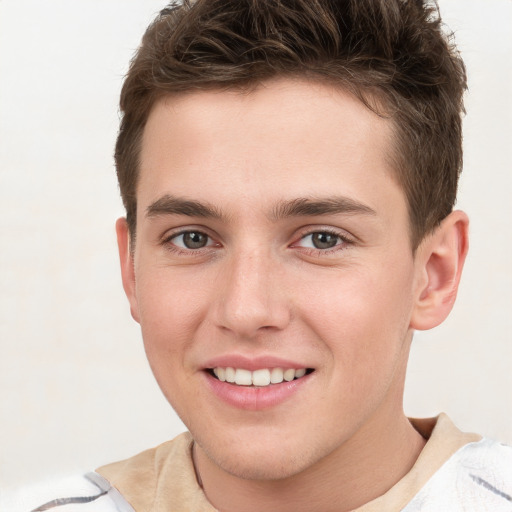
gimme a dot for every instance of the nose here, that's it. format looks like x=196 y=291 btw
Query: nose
x=252 y=295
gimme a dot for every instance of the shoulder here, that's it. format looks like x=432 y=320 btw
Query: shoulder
x=79 y=493
x=149 y=462
x=124 y=486
x=137 y=478
x=478 y=477
x=162 y=475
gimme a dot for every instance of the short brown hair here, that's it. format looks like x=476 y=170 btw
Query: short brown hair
x=392 y=53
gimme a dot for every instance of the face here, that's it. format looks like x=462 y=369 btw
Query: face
x=272 y=249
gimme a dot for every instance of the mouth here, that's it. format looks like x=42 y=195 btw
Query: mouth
x=258 y=378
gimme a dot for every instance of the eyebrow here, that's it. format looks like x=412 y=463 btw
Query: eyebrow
x=311 y=207
x=171 y=205
x=303 y=206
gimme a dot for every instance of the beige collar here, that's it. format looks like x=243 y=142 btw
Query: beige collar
x=444 y=439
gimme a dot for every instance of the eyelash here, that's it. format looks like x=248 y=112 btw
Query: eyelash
x=344 y=241
x=167 y=242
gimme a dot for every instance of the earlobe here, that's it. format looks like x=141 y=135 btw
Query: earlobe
x=440 y=259
x=127 y=265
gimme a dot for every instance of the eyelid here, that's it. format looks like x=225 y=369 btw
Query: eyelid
x=167 y=238
x=345 y=238
x=209 y=241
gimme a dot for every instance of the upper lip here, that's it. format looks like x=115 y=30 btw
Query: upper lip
x=252 y=363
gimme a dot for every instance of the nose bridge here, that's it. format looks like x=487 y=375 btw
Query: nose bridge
x=251 y=294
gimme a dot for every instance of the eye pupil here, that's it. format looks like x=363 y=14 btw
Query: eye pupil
x=324 y=240
x=194 y=240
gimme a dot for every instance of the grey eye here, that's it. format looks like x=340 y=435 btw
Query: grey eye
x=191 y=240
x=323 y=240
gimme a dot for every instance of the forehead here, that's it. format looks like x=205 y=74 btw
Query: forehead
x=284 y=139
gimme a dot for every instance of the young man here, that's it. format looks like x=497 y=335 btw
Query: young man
x=289 y=170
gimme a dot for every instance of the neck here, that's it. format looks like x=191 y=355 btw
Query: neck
x=362 y=469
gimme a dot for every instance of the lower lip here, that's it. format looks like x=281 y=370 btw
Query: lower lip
x=255 y=398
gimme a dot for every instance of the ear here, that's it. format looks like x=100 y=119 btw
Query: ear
x=439 y=259
x=127 y=265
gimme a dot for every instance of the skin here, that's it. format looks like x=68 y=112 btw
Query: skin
x=260 y=287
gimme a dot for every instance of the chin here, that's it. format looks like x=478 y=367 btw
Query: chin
x=265 y=460
x=253 y=468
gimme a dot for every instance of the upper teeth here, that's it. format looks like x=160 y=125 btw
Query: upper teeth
x=262 y=377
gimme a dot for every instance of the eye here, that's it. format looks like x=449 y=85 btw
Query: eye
x=321 y=240
x=191 y=240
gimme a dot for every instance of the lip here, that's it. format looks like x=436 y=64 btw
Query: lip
x=252 y=363
x=248 y=397
x=254 y=398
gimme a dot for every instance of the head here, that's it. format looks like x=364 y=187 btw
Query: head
x=289 y=170
x=391 y=55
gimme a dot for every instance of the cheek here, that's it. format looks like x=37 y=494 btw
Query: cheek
x=362 y=317
x=170 y=309
x=170 y=312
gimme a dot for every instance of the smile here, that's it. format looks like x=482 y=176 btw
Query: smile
x=259 y=378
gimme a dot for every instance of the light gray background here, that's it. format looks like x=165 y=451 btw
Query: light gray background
x=75 y=389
